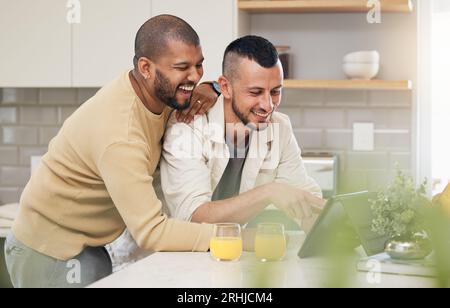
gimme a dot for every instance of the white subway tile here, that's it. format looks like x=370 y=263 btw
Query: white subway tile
x=46 y=134
x=65 y=112
x=294 y=114
x=390 y=98
x=338 y=98
x=301 y=98
x=39 y=115
x=338 y=140
x=323 y=118
x=27 y=152
x=20 y=96
x=393 y=142
x=14 y=176
x=367 y=160
x=58 y=97
x=85 y=94
x=8 y=115
x=9 y=195
x=20 y=135
x=8 y=156
x=309 y=138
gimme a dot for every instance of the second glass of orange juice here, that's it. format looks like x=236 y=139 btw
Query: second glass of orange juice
x=270 y=242
x=226 y=244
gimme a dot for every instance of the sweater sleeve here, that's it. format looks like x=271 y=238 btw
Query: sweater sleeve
x=126 y=171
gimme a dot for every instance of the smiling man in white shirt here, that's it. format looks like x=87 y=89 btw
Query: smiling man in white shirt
x=230 y=164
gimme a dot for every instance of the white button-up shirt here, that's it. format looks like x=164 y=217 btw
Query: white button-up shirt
x=195 y=157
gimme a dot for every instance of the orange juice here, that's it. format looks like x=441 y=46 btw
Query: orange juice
x=270 y=247
x=226 y=248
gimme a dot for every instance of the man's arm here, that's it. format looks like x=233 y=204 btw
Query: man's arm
x=293 y=201
x=239 y=209
x=203 y=99
x=186 y=179
x=124 y=168
x=186 y=183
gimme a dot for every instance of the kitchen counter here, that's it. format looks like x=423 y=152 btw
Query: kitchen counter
x=199 y=270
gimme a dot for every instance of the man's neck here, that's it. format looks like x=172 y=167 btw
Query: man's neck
x=145 y=95
x=235 y=130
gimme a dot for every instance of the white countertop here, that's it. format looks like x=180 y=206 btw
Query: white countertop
x=199 y=270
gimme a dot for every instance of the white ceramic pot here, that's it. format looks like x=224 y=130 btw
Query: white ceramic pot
x=371 y=56
x=364 y=71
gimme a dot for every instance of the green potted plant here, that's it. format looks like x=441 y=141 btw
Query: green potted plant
x=399 y=214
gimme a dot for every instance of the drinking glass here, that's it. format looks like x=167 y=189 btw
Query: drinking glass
x=226 y=243
x=270 y=242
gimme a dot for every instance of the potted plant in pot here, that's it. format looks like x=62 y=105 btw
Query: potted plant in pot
x=399 y=214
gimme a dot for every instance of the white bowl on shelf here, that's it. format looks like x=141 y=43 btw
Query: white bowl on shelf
x=365 y=71
x=371 y=56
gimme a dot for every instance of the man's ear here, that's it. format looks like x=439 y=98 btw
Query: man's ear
x=225 y=86
x=145 y=67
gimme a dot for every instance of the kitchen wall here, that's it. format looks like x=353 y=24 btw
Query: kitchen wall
x=323 y=122
x=29 y=119
x=323 y=119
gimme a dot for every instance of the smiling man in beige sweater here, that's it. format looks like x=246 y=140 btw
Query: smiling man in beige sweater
x=96 y=179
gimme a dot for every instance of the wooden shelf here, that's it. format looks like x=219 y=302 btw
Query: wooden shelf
x=322 y=6
x=398 y=85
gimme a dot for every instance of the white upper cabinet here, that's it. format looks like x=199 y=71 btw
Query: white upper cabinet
x=214 y=21
x=103 y=43
x=39 y=47
x=35 y=44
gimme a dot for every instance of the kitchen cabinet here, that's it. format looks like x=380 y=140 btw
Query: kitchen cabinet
x=35 y=41
x=103 y=43
x=214 y=21
x=40 y=48
x=319 y=31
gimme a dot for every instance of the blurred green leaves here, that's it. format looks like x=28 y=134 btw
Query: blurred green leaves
x=399 y=210
x=438 y=228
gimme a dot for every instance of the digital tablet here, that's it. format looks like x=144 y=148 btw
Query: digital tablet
x=345 y=220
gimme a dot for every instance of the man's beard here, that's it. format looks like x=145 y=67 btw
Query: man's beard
x=163 y=90
x=245 y=120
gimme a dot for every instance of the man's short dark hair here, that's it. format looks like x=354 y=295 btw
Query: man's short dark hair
x=152 y=38
x=252 y=47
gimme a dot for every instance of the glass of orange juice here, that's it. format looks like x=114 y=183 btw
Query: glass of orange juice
x=270 y=242
x=226 y=244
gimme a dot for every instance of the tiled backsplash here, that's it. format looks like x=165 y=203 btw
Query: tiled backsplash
x=322 y=121
x=29 y=119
